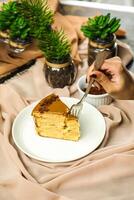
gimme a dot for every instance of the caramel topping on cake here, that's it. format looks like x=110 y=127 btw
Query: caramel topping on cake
x=51 y=103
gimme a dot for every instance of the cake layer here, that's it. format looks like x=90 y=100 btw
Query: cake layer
x=58 y=127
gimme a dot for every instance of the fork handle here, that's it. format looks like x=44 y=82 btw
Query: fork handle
x=100 y=57
x=87 y=89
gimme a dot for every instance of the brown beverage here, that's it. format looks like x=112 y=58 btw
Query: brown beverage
x=95 y=90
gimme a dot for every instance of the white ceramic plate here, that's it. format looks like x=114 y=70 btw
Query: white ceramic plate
x=92 y=130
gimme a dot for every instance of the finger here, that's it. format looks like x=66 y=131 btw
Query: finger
x=109 y=66
x=101 y=78
x=112 y=64
x=96 y=84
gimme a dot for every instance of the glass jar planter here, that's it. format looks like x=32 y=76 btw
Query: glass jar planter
x=94 y=46
x=4 y=36
x=60 y=75
x=18 y=45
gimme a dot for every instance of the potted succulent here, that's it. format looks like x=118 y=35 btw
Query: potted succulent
x=59 y=68
x=39 y=15
x=35 y=17
x=19 y=33
x=100 y=32
x=8 y=14
x=23 y=21
x=14 y=26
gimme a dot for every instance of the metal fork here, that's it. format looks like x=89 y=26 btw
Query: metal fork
x=100 y=57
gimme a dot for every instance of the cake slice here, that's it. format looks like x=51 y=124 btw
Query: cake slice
x=52 y=119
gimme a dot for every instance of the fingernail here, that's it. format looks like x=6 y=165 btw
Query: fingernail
x=93 y=76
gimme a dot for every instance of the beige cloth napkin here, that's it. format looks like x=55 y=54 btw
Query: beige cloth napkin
x=105 y=174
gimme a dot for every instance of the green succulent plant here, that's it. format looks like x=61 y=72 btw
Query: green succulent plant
x=100 y=27
x=20 y=28
x=26 y=18
x=8 y=14
x=39 y=15
x=55 y=46
x=33 y=18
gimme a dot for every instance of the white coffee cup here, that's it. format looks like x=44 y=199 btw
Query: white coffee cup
x=95 y=100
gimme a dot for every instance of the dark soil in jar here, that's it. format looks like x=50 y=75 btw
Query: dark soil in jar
x=106 y=41
x=96 y=91
x=60 y=77
x=21 y=41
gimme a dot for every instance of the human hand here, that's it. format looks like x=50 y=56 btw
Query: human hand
x=114 y=78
